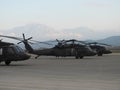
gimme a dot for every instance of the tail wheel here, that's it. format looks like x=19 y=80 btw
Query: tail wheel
x=7 y=63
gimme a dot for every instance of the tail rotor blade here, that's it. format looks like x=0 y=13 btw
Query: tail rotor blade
x=19 y=42
x=41 y=42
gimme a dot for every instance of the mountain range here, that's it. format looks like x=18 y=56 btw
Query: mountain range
x=113 y=40
x=42 y=32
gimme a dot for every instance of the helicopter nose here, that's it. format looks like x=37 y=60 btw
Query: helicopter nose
x=91 y=53
x=107 y=52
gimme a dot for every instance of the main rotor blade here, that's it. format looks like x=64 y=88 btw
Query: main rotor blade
x=21 y=39
x=104 y=44
x=99 y=43
x=23 y=36
x=16 y=38
x=19 y=42
x=57 y=40
x=63 y=41
x=41 y=42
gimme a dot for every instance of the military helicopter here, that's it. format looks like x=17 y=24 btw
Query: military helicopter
x=100 y=48
x=63 y=48
x=10 y=52
x=75 y=48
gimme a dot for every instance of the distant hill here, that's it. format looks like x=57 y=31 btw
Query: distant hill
x=113 y=40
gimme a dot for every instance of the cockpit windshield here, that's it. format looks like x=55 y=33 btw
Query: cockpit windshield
x=18 y=49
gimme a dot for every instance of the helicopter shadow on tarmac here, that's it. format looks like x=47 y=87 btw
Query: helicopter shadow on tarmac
x=15 y=65
x=66 y=58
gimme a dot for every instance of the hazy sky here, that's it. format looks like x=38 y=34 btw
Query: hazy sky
x=61 y=14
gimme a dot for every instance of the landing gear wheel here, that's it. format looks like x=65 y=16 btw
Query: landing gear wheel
x=7 y=63
x=100 y=54
x=81 y=57
x=76 y=57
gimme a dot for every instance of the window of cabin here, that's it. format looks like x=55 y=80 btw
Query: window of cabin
x=1 y=51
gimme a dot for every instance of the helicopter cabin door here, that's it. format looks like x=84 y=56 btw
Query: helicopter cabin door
x=9 y=53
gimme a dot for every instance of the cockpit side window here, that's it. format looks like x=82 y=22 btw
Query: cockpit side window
x=18 y=49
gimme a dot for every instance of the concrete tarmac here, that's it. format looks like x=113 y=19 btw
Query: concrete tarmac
x=51 y=73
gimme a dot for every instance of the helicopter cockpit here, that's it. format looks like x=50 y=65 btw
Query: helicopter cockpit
x=18 y=49
x=12 y=49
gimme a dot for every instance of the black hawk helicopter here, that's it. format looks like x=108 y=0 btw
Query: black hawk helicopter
x=100 y=48
x=72 y=47
x=63 y=48
x=10 y=52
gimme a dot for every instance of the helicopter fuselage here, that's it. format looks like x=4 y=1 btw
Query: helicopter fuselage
x=100 y=50
x=79 y=51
